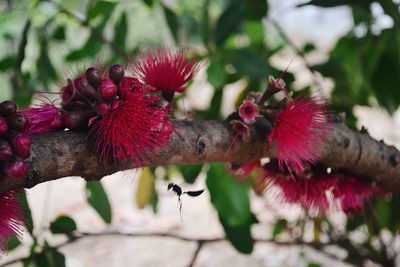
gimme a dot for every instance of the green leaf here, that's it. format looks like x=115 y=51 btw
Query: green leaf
x=172 y=21
x=229 y=197
x=230 y=20
x=62 y=225
x=59 y=33
x=190 y=172
x=231 y=200
x=248 y=63
x=385 y=78
x=26 y=211
x=145 y=188
x=256 y=9
x=216 y=73
x=97 y=198
x=335 y=3
x=279 y=227
x=88 y=50
x=45 y=67
x=308 y=47
x=240 y=237
x=149 y=3
x=57 y=258
x=382 y=210
x=121 y=30
x=255 y=32
x=13 y=243
x=7 y=63
x=100 y=8
x=355 y=221
x=313 y=264
x=41 y=260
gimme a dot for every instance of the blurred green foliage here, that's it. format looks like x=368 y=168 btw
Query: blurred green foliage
x=46 y=41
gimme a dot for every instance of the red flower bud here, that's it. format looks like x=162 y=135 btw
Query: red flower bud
x=103 y=108
x=6 y=151
x=7 y=108
x=107 y=89
x=18 y=121
x=93 y=76
x=116 y=73
x=17 y=169
x=22 y=144
x=75 y=120
x=3 y=126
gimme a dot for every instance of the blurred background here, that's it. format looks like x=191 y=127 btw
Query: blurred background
x=348 y=51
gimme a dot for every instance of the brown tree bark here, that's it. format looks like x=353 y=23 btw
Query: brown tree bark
x=60 y=154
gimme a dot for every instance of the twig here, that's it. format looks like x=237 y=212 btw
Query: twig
x=95 y=33
x=298 y=52
x=16 y=78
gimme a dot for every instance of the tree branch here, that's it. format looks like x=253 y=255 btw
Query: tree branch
x=60 y=154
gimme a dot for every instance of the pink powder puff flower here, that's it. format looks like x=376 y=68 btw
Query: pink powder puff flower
x=347 y=192
x=248 y=111
x=11 y=218
x=42 y=119
x=308 y=192
x=299 y=131
x=352 y=191
x=135 y=128
x=241 y=172
x=165 y=70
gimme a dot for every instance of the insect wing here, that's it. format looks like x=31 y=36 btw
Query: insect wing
x=195 y=193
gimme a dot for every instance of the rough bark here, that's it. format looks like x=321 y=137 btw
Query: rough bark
x=60 y=154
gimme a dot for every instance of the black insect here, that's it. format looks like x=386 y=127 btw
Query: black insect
x=178 y=190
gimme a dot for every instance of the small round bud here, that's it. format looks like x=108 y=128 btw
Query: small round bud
x=116 y=73
x=18 y=121
x=22 y=144
x=6 y=151
x=56 y=123
x=3 y=126
x=107 y=89
x=17 y=168
x=87 y=90
x=115 y=104
x=93 y=76
x=75 y=120
x=7 y=108
x=103 y=108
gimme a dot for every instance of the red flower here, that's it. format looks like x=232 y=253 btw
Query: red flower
x=136 y=126
x=351 y=192
x=248 y=111
x=243 y=171
x=164 y=69
x=299 y=130
x=42 y=119
x=11 y=218
x=347 y=192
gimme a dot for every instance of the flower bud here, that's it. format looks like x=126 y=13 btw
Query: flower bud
x=75 y=120
x=18 y=121
x=107 y=89
x=116 y=73
x=6 y=151
x=17 y=168
x=3 y=126
x=93 y=76
x=22 y=144
x=103 y=108
x=87 y=90
x=7 y=108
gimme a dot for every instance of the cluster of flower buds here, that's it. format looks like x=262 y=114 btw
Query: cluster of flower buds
x=14 y=145
x=299 y=125
x=90 y=94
